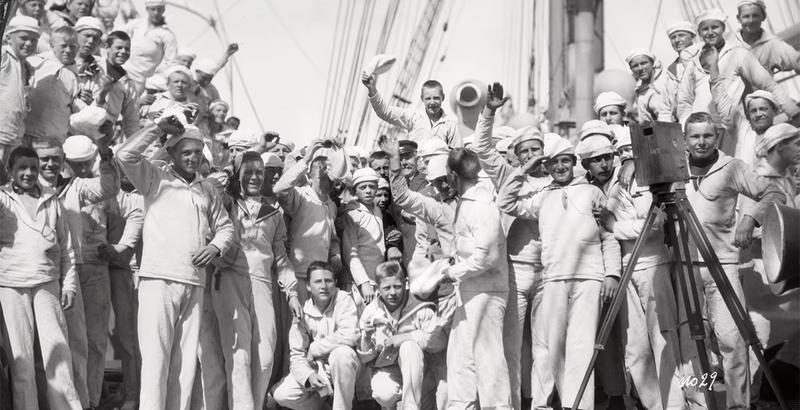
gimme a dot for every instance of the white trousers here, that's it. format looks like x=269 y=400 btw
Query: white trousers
x=248 y=334
x=476 y=366
x=30 y=311
x=343 y=366
x=525 y=291
x=652 y=338
x=570 y=309
x=402 y=381
x=169 y=326
x=78 y=345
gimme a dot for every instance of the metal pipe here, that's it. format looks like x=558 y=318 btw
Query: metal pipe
x=583 y=26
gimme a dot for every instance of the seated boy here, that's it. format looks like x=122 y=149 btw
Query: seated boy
x=396 y=330
x=321 y=343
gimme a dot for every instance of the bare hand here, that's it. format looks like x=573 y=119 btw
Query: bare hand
x=67 y=298
x=86 y=96
x=709 y=59
x=147 y=99
x=368 y=292
x=394 y=254
x=315 y=145
x=295 y=307
x=610 y=284
x=533 y=163
x=389 y=145
x=626 y=174
x=171 y=125
x=604 y=217
x=396 y=340
x=744 y=232
x=232 y=49
x=494 y=97
x=315 y=383
x=369 y=81
x=204 y=256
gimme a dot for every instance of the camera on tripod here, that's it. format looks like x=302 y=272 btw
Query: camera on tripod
x=659 y=152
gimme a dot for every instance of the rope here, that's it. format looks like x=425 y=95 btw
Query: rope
x=655 y=24
x=235 y=66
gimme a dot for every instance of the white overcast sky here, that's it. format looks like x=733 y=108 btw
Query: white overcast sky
x=286 y=47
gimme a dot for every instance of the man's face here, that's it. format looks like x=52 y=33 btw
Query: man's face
x=408 y=163
x=712 y=31
x=527 y=150
x=177 y=85
x=422 y=164
x=219 y=112
x=625 y=151
x=355 y=163
x=88 y=40
x=184 y=60
x=80 y=8
x=612 y=114
x=280 y=151
x=601 y=167
x=790 y=152
x=321 y=286
x=23 y=43
x=381 y=166
x=432 y=99
x=155 y=15
x=64 y=48
x=392 y=291
x=382 y=198
x=33 y=8
x=236 y=150
x=365 y=192
x=272 y=175
x=444 y=187
x=51 y=161
x=81 y=169
x=252 y=177
x=701 y=139
x=561 y=168
x=680 y=40
x=25 y=172
x=202 y=77
x=761 y=114
x=119 y=52
x=750 y=17
x=642 y=68
x=187 y=155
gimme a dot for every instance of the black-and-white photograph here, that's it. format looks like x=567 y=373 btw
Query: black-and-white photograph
x=386 y=204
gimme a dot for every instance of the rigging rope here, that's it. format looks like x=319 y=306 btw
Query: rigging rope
x=329 y=82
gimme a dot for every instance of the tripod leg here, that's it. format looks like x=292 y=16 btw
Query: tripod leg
x=737 y=311
x=688 y=288
x=616 y=301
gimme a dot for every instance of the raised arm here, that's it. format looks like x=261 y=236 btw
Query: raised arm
x=492 y=162
x=754 y=73
x=509 y=200
x=106 y=185
x=398 y=117
x=141 y=172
